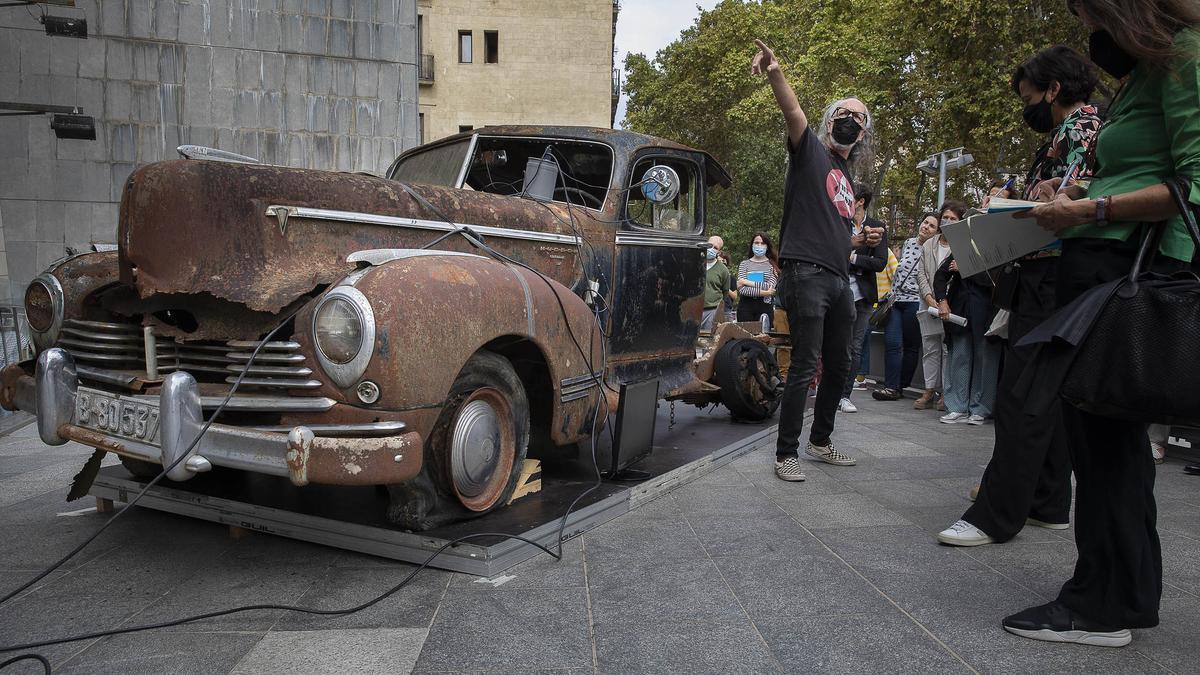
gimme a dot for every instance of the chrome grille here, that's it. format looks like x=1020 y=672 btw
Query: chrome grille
x=279 y=364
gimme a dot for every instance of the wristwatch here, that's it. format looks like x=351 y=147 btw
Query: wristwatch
x=1102 y=209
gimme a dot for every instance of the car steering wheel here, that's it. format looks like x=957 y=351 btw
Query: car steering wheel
x=587 y=198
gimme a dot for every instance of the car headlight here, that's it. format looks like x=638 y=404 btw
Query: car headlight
x=44 y=307
x=339 y=330
x=344 y=333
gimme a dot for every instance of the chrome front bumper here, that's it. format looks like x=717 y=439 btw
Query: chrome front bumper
x=300 y=454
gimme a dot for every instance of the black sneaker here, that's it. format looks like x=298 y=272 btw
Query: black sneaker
x=1053 y=622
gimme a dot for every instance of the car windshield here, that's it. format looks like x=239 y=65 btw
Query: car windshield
x=500 y=165
x=440 y=165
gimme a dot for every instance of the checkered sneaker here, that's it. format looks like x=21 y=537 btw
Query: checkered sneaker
x=829 y=455
x=789 y=469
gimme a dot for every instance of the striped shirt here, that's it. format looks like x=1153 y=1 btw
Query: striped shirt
x=768 y=272
x=883 y=278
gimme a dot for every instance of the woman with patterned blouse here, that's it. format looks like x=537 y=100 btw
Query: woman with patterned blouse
x=902 y=355
x=1028 y=480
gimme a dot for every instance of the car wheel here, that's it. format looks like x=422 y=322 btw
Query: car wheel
x=749 y=379
x=475 y=451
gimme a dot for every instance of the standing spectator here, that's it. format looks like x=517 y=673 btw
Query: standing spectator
x=756 y=280
x=934 y=251
x=716 y=286
x=730 y=304
x=1028 y=480
x=902 y=336
x=1152 y=135
x=814 y=255
x=972 y=360
x=865 y=261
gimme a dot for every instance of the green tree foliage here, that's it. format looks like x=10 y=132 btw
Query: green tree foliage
x=935 y=74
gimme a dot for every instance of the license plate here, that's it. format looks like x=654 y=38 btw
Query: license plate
x=117 y=415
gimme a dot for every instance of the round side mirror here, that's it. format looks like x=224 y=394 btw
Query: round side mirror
x=660 y=184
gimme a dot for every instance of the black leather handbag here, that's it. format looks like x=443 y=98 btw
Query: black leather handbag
x=1140 y=359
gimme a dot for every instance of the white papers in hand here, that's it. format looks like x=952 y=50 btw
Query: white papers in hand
x=990 y=240
x=953 y=318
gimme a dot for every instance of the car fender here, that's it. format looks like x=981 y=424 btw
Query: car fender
x=433 y=310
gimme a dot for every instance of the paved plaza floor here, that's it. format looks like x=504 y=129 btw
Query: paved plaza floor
x=735 y=572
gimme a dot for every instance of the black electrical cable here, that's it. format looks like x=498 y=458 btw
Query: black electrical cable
x=28 y=657
x=186 y=453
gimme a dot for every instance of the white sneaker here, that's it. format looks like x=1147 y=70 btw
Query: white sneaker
x=963 y=533
x=846 y=406
x=789 y=470
x=976 y=420
x=828 y=455
x=953 y=418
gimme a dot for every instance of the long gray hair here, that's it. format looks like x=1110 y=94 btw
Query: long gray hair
x=863 y=151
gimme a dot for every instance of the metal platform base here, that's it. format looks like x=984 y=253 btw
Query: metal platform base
x=353 y=518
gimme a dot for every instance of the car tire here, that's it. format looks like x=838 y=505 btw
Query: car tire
x=141 y=469
x=749 y=379
x=475 y=451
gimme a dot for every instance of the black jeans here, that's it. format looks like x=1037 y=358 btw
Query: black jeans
x=1029 y=475
x=820 y=311
x=1118 y=576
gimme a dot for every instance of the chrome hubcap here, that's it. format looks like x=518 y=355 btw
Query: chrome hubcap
x=476 y=448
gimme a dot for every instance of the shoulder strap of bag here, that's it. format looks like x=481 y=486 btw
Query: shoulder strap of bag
x=1178 y=187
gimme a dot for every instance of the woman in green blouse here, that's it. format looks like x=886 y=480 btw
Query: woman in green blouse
x=1152 y=135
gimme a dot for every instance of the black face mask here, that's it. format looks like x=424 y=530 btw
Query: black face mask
x=845 y=131
x=1039 y=117
x=1106 y=53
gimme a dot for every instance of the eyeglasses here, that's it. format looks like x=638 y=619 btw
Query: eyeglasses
x=842 y=113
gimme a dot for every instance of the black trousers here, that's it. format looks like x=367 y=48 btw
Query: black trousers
x=751 y=308
x=820 y=311
x=1118 y=576
x=1029 y=475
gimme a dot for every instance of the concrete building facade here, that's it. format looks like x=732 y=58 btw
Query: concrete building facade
x=486 y=62
x=328 y=84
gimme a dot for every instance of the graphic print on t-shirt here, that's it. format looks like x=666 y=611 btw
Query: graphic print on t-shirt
x=841 y=193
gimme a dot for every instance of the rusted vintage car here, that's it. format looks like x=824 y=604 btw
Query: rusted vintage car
x=431 y=327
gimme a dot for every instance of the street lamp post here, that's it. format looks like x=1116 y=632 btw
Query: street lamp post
x=942 y=162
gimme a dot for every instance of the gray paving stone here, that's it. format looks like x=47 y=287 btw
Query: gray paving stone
x=748 y=535
x=678 y=591
x=335 y=651
x=881 y=552
x=413 y=606
x=1181 y=561
x=542 y=571
x=962 y=609
x=481 y=629
x=838 y=511
x=910 y=493
x=1030 y=656
x=798 y=584
x=883 y=642
x=184 y=653
x=634 y=645
x=723 y=500
x=630 y=537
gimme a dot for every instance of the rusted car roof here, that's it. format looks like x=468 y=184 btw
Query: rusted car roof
x=625 y=142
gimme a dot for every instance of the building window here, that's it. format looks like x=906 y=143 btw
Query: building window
x=421 y=128
x=491 y=46
x=464 y=46
x=464 y=128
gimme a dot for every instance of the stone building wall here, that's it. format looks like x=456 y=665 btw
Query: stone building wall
x=327 y=84
x=554 y=65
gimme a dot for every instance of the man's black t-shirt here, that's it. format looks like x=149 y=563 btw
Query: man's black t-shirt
x=818 y=207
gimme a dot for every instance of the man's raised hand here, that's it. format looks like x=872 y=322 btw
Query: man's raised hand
x=764 y=59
